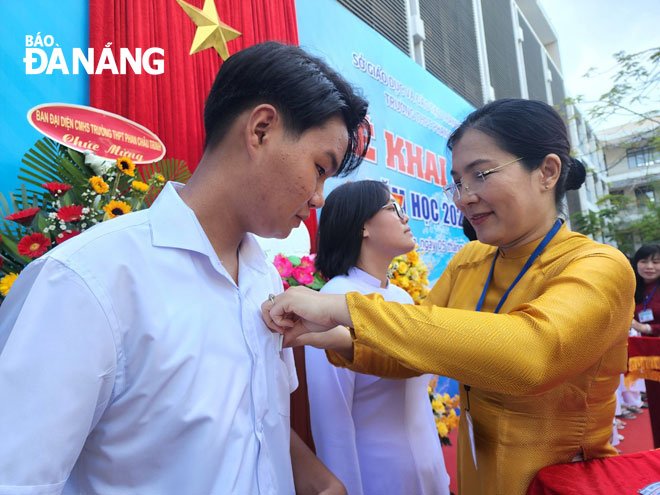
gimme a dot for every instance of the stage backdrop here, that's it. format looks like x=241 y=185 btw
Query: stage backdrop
x=412 y=114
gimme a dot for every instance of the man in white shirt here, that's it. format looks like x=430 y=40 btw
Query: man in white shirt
x=134 y=359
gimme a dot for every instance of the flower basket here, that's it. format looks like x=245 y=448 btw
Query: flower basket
x=63 y=193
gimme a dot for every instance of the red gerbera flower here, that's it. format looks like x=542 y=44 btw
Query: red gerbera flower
x=70 y=213
x=66 y=235
x=56 y=188
x=33 y=245
x=24 y=217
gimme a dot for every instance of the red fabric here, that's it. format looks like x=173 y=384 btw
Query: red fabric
x=643 y=346
x=613 y=475
x=172 y=104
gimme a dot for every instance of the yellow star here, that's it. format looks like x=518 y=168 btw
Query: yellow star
x=211 y=31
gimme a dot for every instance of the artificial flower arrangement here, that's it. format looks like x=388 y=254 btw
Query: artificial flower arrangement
x=409 y=272
x=445 y=411
x=296 y=270
x=64 y=192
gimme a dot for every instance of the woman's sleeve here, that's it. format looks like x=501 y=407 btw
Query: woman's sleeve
x=583 y=312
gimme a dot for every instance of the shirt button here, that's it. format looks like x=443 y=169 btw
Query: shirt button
x=260 y=427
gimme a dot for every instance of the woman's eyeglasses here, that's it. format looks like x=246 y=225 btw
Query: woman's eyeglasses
x=473 y=183
x=393 y=204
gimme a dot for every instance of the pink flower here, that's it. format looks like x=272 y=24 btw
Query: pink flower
x=304 y=275
x=286 y=284
x=307 y=261
x=283 y=265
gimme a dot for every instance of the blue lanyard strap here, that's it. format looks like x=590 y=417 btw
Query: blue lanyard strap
x=539 y=249
x=648 y=298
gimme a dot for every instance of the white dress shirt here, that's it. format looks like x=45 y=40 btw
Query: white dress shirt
x=131 y=363
x=376 y=435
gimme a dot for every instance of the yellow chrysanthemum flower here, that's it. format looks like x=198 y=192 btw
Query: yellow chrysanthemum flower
x=140 y=186
x=411 y=274
x=126 y=165
x=98 y=184
x=438 y=406
x=159 y=177
x=6 y=282
x=443 y=430
x=116 y=208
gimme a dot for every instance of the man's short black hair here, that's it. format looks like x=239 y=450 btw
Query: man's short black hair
x=303 y=88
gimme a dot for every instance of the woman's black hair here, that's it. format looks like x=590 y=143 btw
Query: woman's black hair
x=303 y=88
x=646 y=251
x=346 y=210
x=530 y=130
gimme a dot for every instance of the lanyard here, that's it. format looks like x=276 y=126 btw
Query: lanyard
x=548 y=237
x=648 y=298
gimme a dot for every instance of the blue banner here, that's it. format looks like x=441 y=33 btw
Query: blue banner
x=412 y=114
x=45 y=25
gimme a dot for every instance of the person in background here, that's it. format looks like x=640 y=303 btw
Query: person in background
x=376 y=435
x=133 y=357
x=532 y=319
x=646 y=263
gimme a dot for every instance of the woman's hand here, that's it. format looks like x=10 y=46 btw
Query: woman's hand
x=300 y=310
x=644 y=328
x=337 y=339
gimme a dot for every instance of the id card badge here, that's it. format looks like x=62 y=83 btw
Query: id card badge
x=468 y=417
x=645 y=316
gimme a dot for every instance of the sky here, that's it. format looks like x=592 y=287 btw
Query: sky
x=591 y=31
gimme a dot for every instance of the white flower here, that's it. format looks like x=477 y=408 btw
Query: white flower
x=100 y=166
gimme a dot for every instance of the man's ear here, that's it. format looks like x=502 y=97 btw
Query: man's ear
x=260 y=124
x=550 y=170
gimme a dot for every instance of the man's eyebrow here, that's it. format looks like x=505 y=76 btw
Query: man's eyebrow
x=471 y=165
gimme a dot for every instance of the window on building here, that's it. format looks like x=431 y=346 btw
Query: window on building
x=533 y=56
x=643 y=157
x=644 y=195
x=388 y=17
x=450 y=47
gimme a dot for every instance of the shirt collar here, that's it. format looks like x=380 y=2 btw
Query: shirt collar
x=367 y=278
x=175 y=225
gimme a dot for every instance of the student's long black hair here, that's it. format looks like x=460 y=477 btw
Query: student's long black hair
x=346 y=210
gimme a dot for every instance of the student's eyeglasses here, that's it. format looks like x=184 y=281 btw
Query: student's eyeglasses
x=393 y=204
x=473 y=183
